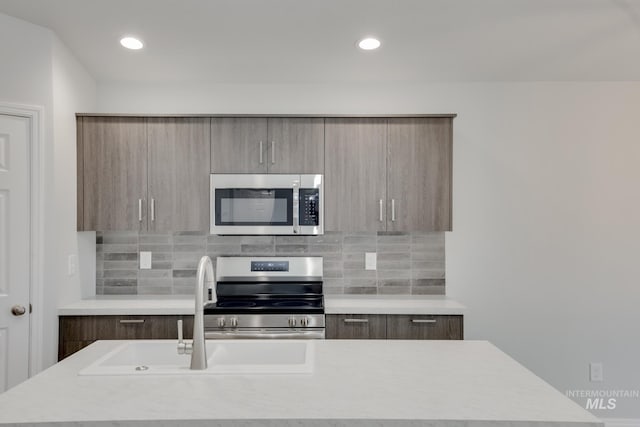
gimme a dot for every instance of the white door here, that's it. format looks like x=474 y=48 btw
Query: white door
x=15 y=141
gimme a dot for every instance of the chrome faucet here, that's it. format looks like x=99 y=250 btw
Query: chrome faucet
x=197 y=348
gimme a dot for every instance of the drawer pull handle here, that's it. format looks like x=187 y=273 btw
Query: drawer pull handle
x=131 y=321
x=356 y=320
x=423 y=320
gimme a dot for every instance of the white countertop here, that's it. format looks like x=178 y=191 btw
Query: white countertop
x=334 y=304
x=355 y=383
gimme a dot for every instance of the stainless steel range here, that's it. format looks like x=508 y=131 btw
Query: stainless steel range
x=266 y=297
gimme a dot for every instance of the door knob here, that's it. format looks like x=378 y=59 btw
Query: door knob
x=18 y=310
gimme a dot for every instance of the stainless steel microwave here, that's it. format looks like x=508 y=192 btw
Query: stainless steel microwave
x=267 y=204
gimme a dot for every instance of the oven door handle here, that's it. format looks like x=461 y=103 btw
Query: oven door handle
x=288 y=334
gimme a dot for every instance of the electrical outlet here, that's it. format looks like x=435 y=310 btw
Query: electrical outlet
x=596 y=372
x=370 y=261
x=145 y=260
x=72 y=264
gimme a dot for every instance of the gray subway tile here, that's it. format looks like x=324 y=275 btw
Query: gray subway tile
x=119 y=290
x=291 y=249
x=184 y=273
x=257 y=240
x=361 y=290
x=120 y=274
x=120 y=282
x=394 y=290
x=154 y=247
x=121 y=257
x=257 y=249
x=154 y=290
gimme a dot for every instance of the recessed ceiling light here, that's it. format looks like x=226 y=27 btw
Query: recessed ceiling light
x=131 y=43
x=369 y=43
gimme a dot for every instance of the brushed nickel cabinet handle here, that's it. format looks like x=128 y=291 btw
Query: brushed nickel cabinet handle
x=423 y=320
x=153 y=209
x=381 y=209
x=261 y=159
x=140 y=210
x=393 y=210
x=273 y=152
x=131 y=321
x=356 y=320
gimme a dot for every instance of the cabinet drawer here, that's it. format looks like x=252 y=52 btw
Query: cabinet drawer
x=421 y=327
x=76 y=332
x=356 y=326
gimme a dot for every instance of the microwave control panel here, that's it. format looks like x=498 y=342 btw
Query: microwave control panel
x=309 y=205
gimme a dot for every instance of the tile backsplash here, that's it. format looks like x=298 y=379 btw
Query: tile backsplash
x=407 y=263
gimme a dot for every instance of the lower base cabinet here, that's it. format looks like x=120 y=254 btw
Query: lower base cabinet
x=394 y=327
x=77 y=332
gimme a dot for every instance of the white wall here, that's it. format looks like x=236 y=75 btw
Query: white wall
x=546 y=207
x=37 y=69
x=74 y=90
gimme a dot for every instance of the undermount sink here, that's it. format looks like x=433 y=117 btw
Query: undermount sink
x=223 y=357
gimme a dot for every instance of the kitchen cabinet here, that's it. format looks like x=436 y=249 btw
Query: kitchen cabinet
x=178 y=155
x=114 y=173
x=143 y=174
x=77 y=332
x=394 y=326
x=267 y=145
x=355 y=174
x=350 y=326
x=390 y=174
x=420 y=327
x=419 y=174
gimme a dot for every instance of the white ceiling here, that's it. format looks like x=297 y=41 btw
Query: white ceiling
x=313 y=41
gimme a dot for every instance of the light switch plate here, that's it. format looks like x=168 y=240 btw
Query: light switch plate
x=370 y=261
x=145 y=260
x=596 y=372
x=72 y=264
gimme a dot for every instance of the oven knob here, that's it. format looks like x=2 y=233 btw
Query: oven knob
x=292 y=321
x=304 y=321
x=221 y=322
x=234 y=322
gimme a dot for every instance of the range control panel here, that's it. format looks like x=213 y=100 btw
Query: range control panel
x=269 y=265
x=309 y=213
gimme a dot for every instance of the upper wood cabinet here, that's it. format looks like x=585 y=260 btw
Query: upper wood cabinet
x=419 y=174
x=179 y=152
x=295 y=145
x=238 y=145
x=388 y=174
x=143 y=173
x=355 y=174
x=261 y=145
x=114 y=159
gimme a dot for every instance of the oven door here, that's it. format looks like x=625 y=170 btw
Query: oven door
x=266 y=333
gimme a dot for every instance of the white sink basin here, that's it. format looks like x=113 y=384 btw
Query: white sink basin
x=223 y=357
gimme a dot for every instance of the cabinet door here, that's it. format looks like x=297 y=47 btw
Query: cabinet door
x=238 y=145
x=179 y=166
x=356 y=326
x=355 y=174
x=115 y=173
x=296 y=145
x=420 y=327
x=419 y=174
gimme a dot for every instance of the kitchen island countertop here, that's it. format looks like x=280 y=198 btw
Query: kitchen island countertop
x=334 y=304
x=354 y=383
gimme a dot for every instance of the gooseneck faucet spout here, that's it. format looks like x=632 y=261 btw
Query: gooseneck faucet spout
x=206 y=280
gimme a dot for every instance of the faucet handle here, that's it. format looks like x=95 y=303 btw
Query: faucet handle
x=183 y=347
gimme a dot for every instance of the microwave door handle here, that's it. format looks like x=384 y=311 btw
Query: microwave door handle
x=296 y=207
